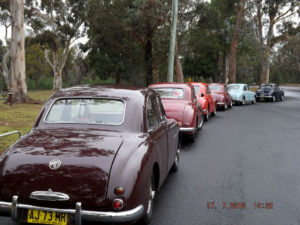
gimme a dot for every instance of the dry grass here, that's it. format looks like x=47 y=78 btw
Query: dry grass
x=19 y=117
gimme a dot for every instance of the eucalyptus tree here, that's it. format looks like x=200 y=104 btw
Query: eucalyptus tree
x=57 y=24
x=235 y=40
x=285 y=66
x=18 y=86
x=282 y=15
x=5 y=21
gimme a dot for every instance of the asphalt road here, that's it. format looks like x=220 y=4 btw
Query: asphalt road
x=248 y=158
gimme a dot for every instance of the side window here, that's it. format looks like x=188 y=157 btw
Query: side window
x=152 y=113
x=208 y=90
x=245 y=88
x=161 y=110
x=194 y=95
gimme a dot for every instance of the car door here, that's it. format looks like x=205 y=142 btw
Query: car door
x=157 y=132
x=196 y=105
x=249 y=97
x=210 y=100
x=171 y=131
x=227 y=95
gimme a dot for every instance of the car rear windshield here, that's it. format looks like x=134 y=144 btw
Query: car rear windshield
x=215 y=88
x=89 y=111
x=234 y=87
x=170 y=92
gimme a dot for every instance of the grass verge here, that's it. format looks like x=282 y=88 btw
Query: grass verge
x=19 y=117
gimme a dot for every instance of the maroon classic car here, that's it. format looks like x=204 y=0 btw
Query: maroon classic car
x=96 y=153
x=180 y=103
x=221 y=95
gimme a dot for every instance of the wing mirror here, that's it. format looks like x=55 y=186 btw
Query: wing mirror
x=202 y=95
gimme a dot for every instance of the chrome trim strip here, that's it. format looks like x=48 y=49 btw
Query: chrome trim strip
x=187 y=129
x=49 y=196
x=97 y=216
x=10 y=133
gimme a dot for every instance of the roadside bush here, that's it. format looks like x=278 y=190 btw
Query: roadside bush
x=45 y=83
x=31 y=84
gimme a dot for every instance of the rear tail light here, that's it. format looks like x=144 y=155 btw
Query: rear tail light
x=118 y=204
x=119 y=191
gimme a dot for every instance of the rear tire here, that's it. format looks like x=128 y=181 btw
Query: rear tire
x=207 y=114
x=225 y=106
x=244 y=101
x=194 y=135
x=282 y=98
x=214 y=112
x=201 y=123
x=176 y=160
x=151 y=196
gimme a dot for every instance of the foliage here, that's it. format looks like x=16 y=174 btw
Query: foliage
x=286 y=64
x=126 y=38
x=36 y=67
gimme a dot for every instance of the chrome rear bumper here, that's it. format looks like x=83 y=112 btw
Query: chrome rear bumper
x=187 y=129
x=79 y=214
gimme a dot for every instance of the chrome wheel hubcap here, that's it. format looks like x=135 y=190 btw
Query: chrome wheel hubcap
x=151 y=198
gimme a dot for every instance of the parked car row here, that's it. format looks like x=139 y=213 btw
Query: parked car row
x=101 y=153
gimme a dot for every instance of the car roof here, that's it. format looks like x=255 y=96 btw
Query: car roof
x=170 y=84
x=198 y=83
x=113 y=91
x=220 y=84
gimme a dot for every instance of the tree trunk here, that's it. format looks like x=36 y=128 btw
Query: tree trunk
x=234 y=42
x=148 y=55
x=179 y=72
x=57 y=64
x=57 y=82
x=266 y=66
x=5 y=70
x=18 y=85
x=216 y=74
x=117 y=76
x=225 y=67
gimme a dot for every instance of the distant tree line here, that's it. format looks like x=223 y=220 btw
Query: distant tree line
x=128 y=41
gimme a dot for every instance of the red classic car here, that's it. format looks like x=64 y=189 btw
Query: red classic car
x=180 y=103
x=205 y=98
x=95 y=153
x=221 y=95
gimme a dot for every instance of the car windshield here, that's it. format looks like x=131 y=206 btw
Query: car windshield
x=266 y=87
x=170 y=92
x=215 y=88
x=89 y=111
x=234 y=87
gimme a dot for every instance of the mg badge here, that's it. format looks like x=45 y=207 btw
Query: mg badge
x=54 y=164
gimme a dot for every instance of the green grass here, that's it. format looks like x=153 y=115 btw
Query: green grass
x=19 y=117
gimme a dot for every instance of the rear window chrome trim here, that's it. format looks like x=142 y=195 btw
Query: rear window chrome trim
x=106 y=98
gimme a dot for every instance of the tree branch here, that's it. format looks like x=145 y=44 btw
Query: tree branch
x=283 y=15
x=48 y=59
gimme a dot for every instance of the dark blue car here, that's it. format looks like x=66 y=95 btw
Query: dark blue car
x=269 y=92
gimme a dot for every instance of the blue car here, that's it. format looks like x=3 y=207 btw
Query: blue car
x=269 y=92
x=240 y=94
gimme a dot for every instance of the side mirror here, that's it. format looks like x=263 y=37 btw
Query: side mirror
x=202 y=95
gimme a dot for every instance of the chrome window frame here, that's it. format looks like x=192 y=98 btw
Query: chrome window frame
x=117 y=99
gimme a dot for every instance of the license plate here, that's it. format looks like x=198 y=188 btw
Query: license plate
x=46 y=217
